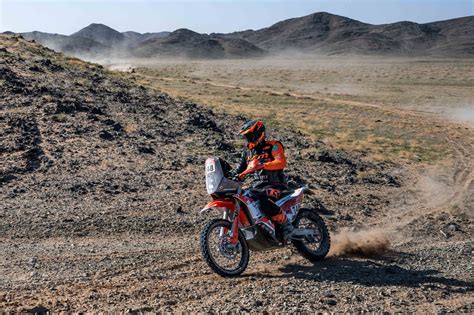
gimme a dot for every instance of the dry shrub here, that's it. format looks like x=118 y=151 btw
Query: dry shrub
x=131 y=128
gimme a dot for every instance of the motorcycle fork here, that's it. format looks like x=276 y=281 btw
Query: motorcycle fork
x=235 y=225
x=223 y=230
x=234 y=231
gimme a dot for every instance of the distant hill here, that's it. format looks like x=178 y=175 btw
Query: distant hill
x=74 y=45
x=186 y=43
x=93 y=40
x=457 y=36
x=135 y=38
x=318 y=33
x=102 y=34
x=101 y=40
x=332 y=34
x=301 y=33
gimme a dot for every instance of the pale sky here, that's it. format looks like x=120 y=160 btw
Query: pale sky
x=205 y=16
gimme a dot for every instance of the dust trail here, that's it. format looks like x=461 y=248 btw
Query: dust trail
x=462 y=113
x=434 y=191
x=363 y=243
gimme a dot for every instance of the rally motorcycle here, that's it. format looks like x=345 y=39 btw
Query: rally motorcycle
x=226 y=243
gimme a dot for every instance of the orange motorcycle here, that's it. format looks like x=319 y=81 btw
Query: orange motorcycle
x=226 y=243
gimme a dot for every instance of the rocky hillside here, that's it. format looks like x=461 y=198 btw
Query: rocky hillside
x=73 y=130
x=78 y=132
x=332 y=34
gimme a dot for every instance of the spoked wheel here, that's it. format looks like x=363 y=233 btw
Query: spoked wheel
x=316 y=246
x=224 y=258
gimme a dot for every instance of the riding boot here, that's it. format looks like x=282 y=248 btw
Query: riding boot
x=286 y=226
x=288 y=230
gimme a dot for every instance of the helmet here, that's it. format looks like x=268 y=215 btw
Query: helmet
x=254 y=132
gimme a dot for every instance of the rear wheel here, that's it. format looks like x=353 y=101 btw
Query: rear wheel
x=314 y=247
x=224 y=258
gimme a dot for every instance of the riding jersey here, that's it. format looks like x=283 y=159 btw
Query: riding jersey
x=271 y=154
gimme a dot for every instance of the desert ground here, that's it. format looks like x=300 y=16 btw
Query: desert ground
x=386 y=144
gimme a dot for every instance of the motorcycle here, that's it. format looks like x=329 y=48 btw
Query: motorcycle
x=226 y=243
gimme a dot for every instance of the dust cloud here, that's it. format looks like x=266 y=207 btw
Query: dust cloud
x=362 y=243
x=463 y=114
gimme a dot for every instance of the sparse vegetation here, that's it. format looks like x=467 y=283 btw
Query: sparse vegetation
x=61 y=117
x=375 y=117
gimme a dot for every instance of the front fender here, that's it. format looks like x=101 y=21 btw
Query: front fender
x=219 y=204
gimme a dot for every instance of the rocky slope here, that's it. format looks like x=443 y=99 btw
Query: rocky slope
x=101 y=180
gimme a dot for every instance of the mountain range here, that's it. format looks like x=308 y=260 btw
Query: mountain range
x=319 y=33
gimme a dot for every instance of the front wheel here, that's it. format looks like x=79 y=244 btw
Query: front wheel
x=316 y=246
x=224 y=258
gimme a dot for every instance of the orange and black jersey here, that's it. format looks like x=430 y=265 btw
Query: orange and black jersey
x=272 y=155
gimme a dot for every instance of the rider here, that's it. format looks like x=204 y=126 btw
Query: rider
x=269 y=180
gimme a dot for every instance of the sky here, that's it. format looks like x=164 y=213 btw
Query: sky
x=206 y=16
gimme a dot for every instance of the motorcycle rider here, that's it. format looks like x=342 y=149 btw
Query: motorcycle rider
x=269 y=179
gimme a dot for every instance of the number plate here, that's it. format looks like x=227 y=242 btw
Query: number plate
x=210 y=166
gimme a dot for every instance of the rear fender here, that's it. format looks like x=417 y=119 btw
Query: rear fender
x=292 y=203
x=295 y=198
x=220 y=205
